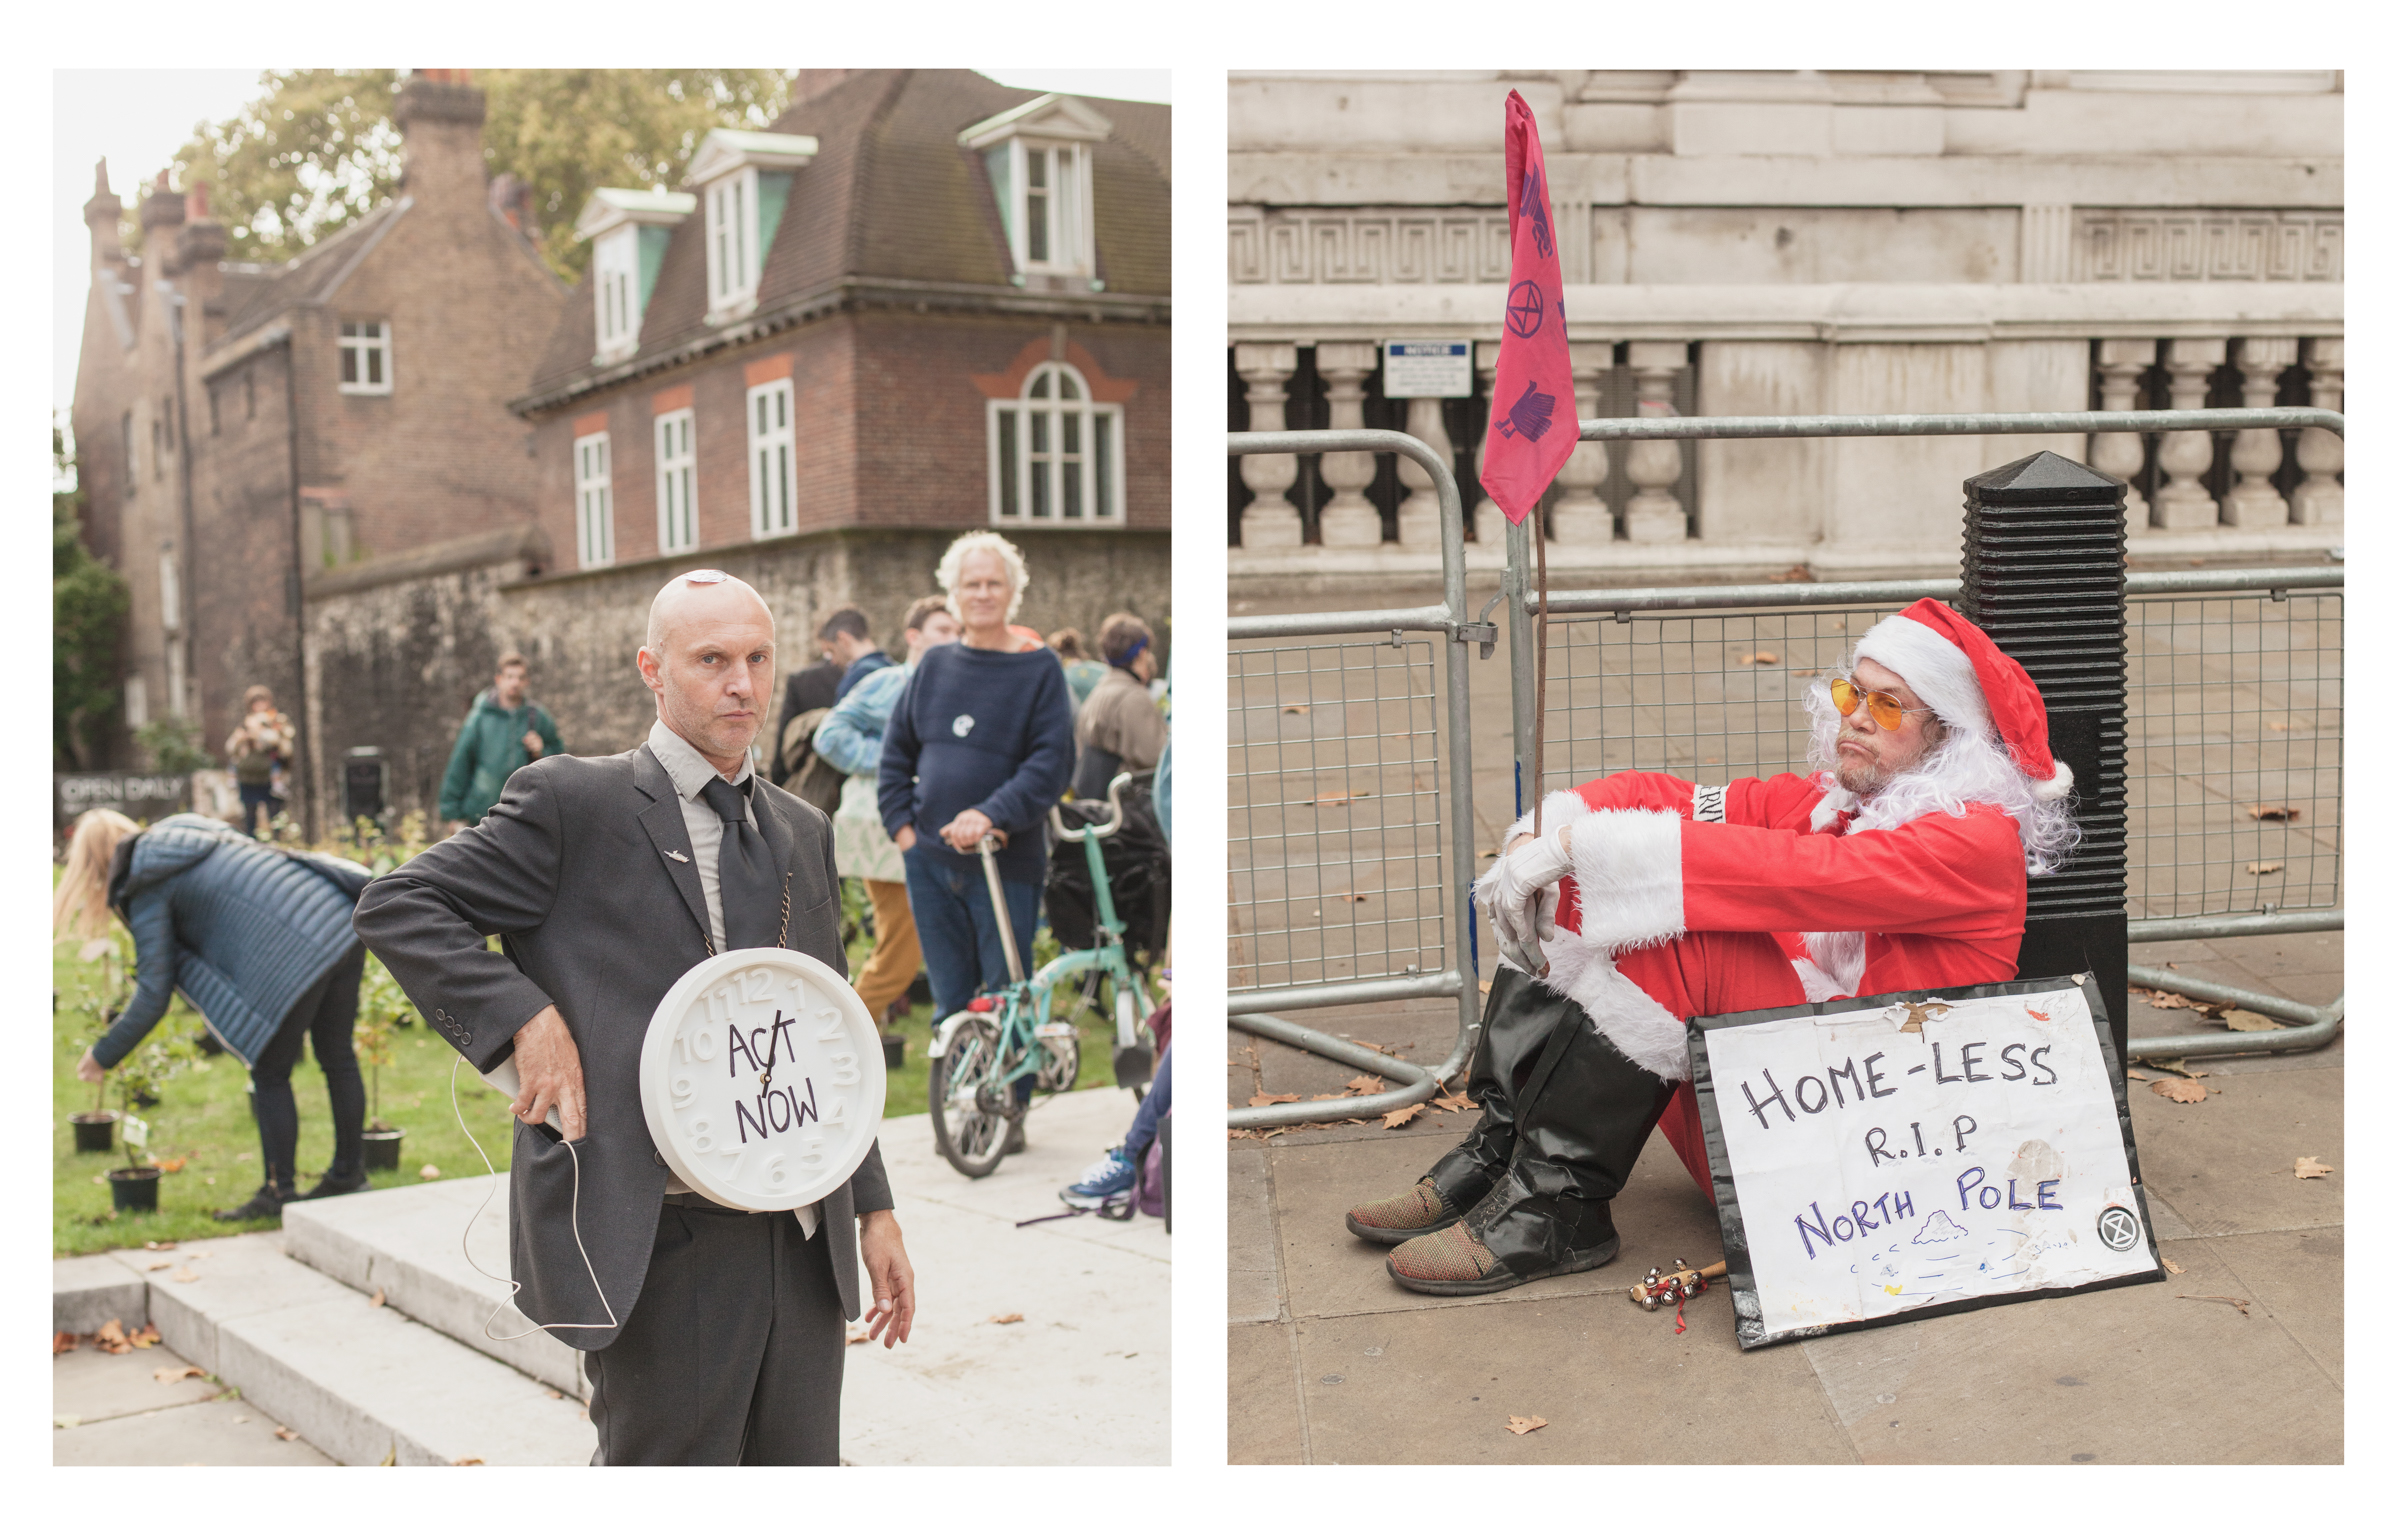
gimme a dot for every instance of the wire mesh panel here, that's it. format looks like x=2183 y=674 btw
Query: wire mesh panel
x=2234 y=771
x=1709 y=697
x=1334 y=813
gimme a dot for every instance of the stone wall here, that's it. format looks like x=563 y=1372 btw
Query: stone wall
x=412 y=640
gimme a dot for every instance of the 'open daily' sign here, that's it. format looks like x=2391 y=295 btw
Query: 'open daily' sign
x=1884 y=1158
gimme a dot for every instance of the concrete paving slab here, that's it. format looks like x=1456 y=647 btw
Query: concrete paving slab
x=222 y=1279
x=407 y=1242
x=90 y=1386
x=1615 y=1382
x=2119 y=1377
x=1083 y=1379
x=230 y=1433
x=86 y=1293
x=1263 y=1426
x=2297 y=1277
x=1253 y=1282
x=2226 y=1164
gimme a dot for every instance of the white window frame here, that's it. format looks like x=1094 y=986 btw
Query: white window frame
x=1066 y=221
x=1065 y=469
x=595 y=503
x=372 y=351
x=616 y=303
x=731 y=204
x=678 y=477
x=774 y=477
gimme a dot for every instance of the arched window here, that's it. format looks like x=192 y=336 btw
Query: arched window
x=1057 y=455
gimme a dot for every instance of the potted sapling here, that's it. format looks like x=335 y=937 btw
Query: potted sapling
x=103 y=993
x=382 y=1008
x=142 y=1075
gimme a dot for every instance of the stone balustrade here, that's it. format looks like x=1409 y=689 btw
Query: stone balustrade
x=1853 y=507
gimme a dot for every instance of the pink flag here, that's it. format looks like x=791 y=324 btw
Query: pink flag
x=1533 y=397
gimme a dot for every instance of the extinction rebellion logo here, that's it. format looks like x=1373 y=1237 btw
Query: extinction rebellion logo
x=961 y=725
x=2118 y=1229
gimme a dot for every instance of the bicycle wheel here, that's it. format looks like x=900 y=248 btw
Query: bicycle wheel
x=968 y=1100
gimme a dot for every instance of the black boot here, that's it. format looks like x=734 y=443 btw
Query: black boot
x=265 y=1205
x=1582 y=1125
x=336 y=1182
x=1518 y=1016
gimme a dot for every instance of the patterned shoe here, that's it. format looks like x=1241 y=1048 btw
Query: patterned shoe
x=1419 y=1212
x=1451 y=1262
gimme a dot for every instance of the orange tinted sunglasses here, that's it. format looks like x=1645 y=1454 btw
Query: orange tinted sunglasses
x=1883 y=708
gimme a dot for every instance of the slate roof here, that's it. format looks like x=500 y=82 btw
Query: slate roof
x=891 y=195
x=306 y=278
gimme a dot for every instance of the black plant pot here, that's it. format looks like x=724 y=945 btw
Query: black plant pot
x=895 y=1052
x=133 y=1188
x=383 y=1150
x=146 y=1100
x=95 y=1132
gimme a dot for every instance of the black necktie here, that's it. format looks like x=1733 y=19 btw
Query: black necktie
x=748 y=892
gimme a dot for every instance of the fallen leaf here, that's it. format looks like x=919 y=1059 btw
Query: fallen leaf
x=1517 y=1425
x=2236 y=1302
x=170 y=1165
x=1321 y=1097
x=160 y=1247
x=111 y=1338
x=2178 y=1067
x=2310 y=1167
x=554 y=1395
x=1339 y=797
x=169 y=1374
x=1295 y=708
x=1400 y=1116
x=183 y=1276
x=1261 y=1100
x=146 y=1337
x=1360 y=1087
x=1368 y=1044
x=2171 y=1000
x=1358 y=899
x=1451 y=1103
x=2277 y=725
x=286 y=1434
x=2243 y=1021
x=62 y=1343
x=378 y=1300
x=468 y=1460
x=856 y=1335
x=1918 y=1012
x=2172 y=1266
x=2262 y=868
x=2181 y=1091
x=1004 y=1320
x=163 y=1263
x=2274 y=812
x=2137 y=1076
x=1804 y=671
x=1761 y=658
x=429 y=1172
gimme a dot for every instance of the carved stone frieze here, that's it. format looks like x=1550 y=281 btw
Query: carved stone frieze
x=2261 y=245
x=1367 y=245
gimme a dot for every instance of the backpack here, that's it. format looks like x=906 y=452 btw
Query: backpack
x=805 y=773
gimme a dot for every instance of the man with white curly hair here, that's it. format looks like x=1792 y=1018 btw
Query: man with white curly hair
x=1898 y=863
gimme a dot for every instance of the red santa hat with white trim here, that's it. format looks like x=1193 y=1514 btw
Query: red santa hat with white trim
x=1965 y=679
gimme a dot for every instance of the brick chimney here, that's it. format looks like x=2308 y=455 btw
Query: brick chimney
x=512 y=199
x=101 y=215
x=440 y=117
x=201 y=243
x=161 y=209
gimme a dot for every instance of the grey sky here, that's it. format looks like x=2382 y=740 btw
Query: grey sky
x=138 y=118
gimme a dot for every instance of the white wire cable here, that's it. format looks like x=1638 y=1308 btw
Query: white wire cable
x=574 y=1223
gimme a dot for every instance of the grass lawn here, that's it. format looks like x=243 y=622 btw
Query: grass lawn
x=203 y=1117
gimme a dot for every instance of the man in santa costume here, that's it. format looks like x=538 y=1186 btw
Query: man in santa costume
x=1898 y=864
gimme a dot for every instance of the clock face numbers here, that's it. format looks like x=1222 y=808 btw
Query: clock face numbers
x=761 y=1077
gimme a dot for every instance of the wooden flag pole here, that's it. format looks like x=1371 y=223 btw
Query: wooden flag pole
x=1541 y=654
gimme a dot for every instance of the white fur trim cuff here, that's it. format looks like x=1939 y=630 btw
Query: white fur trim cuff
x=1631 y=1019
x=1629 y=877
x=2058 y=785
x=1559 y=807
x=1938 y=671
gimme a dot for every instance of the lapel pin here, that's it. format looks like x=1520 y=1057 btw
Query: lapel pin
x=678 y=857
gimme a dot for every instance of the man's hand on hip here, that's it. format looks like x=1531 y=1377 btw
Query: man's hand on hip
x=549 y=1074
x=894 y=1282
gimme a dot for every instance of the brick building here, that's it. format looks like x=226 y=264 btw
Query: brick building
x=243 y=429
x=922 y=301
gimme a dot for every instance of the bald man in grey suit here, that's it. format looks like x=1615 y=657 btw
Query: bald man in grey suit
x=716 y=1336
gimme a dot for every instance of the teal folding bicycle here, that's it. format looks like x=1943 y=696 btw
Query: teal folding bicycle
x=982 y=1054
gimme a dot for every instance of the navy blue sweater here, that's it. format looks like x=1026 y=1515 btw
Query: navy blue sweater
x=986 y=730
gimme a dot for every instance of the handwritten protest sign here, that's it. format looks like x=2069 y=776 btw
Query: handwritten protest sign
x=1884 y=1158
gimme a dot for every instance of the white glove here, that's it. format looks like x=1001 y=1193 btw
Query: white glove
x=1521 y=891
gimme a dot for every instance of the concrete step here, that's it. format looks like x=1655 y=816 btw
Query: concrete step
x=413 y=1243
x=361 y=1382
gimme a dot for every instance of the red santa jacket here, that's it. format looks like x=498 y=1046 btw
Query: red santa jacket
x=1939 y=901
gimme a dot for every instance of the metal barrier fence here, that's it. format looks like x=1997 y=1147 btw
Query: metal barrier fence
x=1707 y=681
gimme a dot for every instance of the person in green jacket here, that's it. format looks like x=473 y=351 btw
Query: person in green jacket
x=504 y=730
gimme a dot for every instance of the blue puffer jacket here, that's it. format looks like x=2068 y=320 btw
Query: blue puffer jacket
x=241 y=929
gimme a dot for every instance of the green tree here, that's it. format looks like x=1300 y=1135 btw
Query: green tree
x=318 y=147
x=88 y=603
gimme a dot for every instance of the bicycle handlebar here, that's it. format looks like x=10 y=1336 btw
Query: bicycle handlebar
x=1107 y=829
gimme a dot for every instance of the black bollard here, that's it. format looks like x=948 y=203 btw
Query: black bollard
x=2044 y=575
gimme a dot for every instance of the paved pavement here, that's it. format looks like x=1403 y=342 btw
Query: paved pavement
x=114 y=1410
x=1329 y=1361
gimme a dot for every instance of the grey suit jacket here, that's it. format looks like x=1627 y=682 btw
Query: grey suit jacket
x=570 y=869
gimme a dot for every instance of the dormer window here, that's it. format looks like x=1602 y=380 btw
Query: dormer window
x=744 y=180
x=629 y=231
x=1038 y=158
